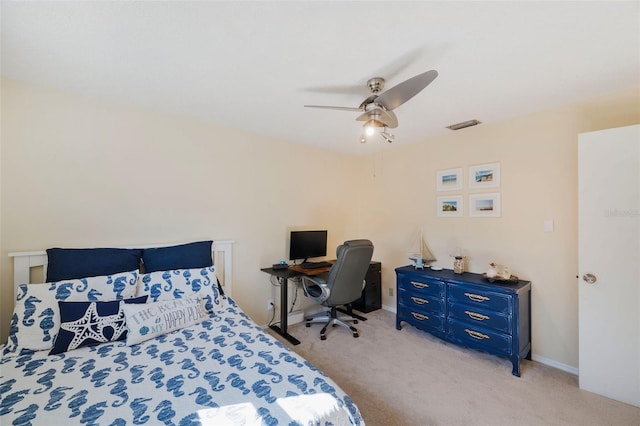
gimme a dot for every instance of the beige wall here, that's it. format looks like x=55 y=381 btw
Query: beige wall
x=538 y=157
x=83 y=172
x=80 y=172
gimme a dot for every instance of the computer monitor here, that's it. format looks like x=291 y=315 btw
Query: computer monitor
x=306 y=244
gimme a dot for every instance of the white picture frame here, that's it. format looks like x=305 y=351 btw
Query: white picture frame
x=484 y=176
x=449 y=180
x=449 y=206
x=485 y=205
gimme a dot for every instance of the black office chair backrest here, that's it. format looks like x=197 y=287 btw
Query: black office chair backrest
x=347 y=274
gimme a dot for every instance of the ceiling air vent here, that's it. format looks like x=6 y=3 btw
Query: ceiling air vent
x=464 y=124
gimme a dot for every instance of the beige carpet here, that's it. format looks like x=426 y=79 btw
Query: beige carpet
x=408 y=377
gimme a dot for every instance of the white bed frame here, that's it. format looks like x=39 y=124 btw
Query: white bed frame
x=221 y=252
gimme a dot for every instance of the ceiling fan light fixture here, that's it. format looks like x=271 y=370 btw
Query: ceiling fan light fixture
x=368 y=131
x=371 y=125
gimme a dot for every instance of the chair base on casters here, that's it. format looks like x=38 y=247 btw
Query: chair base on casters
x=333 y=320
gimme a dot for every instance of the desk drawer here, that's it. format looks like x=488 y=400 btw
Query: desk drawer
x=480 y=298
x=480 y=317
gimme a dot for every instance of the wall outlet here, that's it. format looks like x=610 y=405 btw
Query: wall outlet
x=270 y=305
x=390 y=291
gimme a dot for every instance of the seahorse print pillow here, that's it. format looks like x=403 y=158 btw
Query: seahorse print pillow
x=178 y=283
x=36 y=315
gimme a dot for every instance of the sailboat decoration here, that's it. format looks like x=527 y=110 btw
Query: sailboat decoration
x=424 y=257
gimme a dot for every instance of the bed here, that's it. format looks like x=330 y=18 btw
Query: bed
x=218 y=368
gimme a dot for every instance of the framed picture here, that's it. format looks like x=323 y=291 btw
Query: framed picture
x=484 y=176
x=450 y=206
x=484 y=205
x=449 y=180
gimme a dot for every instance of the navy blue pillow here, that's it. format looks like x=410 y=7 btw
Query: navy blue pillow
x=68 y=264
x=91 y=323
x=184 y=256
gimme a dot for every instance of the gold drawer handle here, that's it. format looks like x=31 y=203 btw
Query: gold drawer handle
x=419 y=301
x=476 y=334
x=416 y=284
x=476 y=297
x=476 y=316
x=419 y=316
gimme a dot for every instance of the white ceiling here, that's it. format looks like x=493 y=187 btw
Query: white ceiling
x=253 y=65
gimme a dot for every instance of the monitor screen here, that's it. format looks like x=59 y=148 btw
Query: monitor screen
x=306 y=244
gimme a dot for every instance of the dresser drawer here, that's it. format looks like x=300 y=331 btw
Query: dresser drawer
x=480 y=317
x=486 y=300
x=478 y=337
x=420 y=302
x=423 y=319
x=421 y=286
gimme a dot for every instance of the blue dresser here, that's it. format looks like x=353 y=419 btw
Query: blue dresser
x=468 y=310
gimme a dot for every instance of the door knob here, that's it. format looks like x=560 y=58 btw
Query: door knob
x=589 y=278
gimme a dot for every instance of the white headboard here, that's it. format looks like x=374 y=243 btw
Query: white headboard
x=221 y=252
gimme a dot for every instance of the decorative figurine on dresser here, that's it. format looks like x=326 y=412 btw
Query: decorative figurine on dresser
x=473 y=310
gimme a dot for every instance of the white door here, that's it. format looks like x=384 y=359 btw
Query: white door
x=609 y=254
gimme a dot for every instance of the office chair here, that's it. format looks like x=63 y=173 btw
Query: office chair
x=342 y=285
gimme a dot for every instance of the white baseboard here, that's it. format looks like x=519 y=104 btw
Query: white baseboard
x=295 y=317
x=555 y=364
x=389 y=308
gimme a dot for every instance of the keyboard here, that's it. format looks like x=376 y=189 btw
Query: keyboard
x=314 y=265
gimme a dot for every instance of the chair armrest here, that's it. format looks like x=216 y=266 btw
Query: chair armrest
x=315 y=279
x=318 y=283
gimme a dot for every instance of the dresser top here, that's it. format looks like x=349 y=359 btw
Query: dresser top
x=464 y=278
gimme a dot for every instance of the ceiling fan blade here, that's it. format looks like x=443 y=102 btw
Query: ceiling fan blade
x=398 y=65
x=341 y=90
x=334 y=107
x=370 y=99
x=387 y=117
x=363 y=117
x=388 y=71
x=401 y=93
x=391 y=120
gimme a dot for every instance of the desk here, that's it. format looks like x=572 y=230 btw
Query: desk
x=283 y=276
x=310 y=272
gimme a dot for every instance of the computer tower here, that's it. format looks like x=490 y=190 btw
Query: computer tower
x=372 y=294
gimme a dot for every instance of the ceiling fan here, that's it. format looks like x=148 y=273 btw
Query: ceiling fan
x=377 y=109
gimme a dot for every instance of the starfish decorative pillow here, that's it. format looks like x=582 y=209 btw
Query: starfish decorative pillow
x=91 y=323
